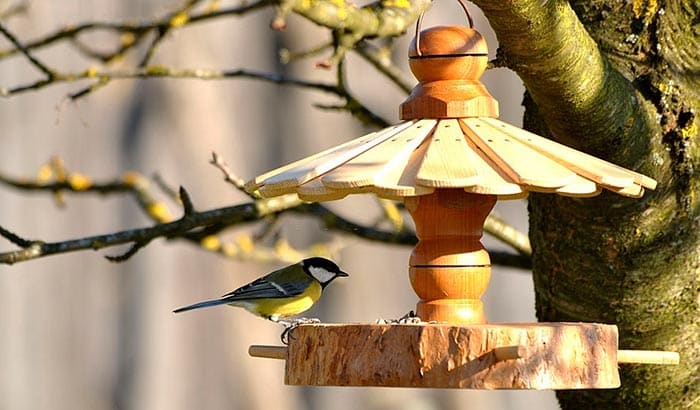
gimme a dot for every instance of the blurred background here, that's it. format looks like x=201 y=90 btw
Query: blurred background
x=80 y=332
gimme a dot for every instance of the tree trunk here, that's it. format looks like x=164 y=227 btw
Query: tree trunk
x=625 y=89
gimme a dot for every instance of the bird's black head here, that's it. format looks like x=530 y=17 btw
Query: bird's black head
x=322 y=269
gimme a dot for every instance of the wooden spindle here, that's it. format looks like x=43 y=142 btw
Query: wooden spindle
x=449 y=268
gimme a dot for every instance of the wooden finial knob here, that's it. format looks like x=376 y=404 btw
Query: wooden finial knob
x=448 y=53
x=448 y=61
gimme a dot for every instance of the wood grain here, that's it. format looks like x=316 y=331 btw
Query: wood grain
x=369 y=167
x=448 y=161
x=591 y=167
x=302 y=171
x=557 y=356
x=522 y=164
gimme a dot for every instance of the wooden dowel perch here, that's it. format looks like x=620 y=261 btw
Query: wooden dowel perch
x=648 y=357
x=268 y=352
x=510 y=352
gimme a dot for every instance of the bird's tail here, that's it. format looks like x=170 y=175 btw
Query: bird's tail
x=206 y=303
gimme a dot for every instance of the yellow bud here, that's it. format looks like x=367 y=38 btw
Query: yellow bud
x=127 y=39
x=133 y=178
x=179 y=20
x=214 y=5
x=91 y=72
x=157 y=70
x=159 y=211
x=245 y=243
x=45 y=174
x=79 y=182
x=211 y=243
x=229 y=249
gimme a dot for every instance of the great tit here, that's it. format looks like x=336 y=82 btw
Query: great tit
x=285 y=292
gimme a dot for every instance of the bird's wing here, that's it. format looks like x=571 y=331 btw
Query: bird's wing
x=266 y=288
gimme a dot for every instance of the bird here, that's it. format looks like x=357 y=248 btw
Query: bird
x=285 y=292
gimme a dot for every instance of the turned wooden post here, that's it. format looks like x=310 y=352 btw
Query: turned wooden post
x=449 y=268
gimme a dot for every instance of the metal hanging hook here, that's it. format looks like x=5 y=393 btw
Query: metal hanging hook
x=470 y=20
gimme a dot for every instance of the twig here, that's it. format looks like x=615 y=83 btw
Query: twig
x=173 y=73
x=176 y=19
x=14 y=238
x=286 y=56
x=229 y=176
x=186 y=202
x=352 y=105
x=167 y=189
x=506 y=233
x=392 y=213
x=50 y=74
x=380 y=58
x=137 y=30
x=135 y=247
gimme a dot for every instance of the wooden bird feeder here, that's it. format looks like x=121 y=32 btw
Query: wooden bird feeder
x=449 y=161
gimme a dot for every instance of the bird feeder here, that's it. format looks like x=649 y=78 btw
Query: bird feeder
x=449 y=161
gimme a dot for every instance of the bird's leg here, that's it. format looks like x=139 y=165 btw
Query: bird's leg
x=292 y=324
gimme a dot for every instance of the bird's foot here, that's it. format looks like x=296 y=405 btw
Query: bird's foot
x=292 y=324
x=408 y=318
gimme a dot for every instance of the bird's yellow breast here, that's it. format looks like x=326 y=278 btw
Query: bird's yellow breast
x=283 y=307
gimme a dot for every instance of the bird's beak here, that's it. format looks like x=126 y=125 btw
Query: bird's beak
x=341 y=273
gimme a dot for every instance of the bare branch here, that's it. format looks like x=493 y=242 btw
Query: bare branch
x=200 y=228
x=177 y=18
x=166 y=72
x=228 y=216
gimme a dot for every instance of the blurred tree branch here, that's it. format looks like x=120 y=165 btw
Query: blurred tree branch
x=197 y=227
x=349 y=26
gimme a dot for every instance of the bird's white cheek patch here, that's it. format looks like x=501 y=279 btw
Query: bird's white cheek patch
x=321 y=274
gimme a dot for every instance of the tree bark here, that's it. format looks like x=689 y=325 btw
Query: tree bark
x=619 y=80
